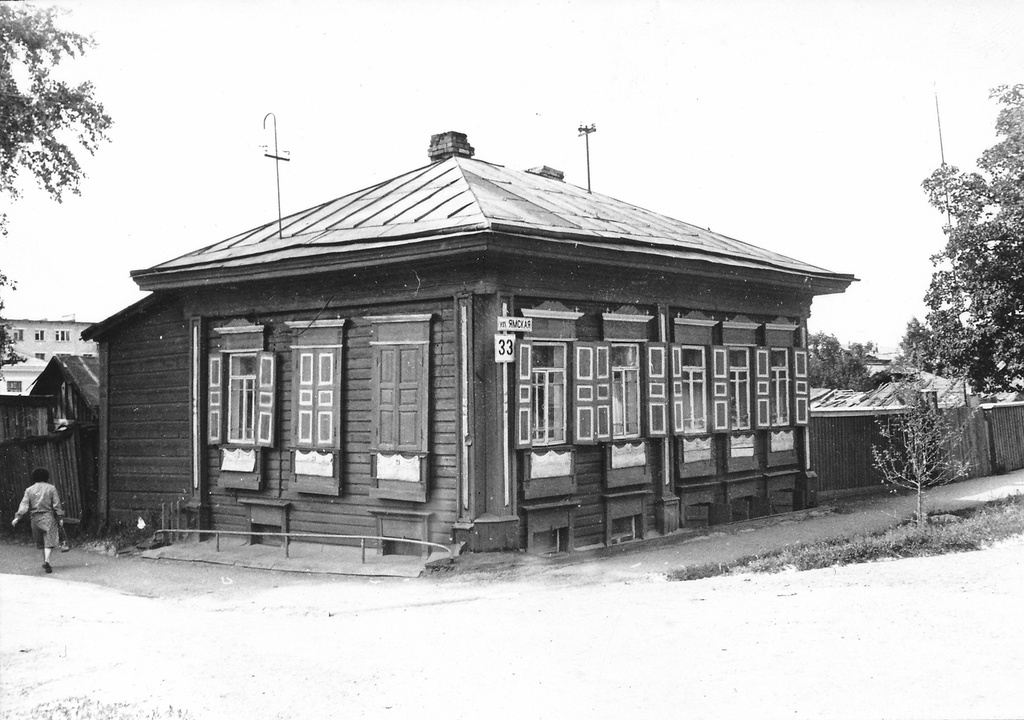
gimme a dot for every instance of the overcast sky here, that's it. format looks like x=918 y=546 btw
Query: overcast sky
x=802 y=127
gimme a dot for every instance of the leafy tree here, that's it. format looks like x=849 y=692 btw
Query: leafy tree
x=833 y=366
x=976 y=296
x=923 y=446
x=41 y=116
x=918 y=347
x=7 y=354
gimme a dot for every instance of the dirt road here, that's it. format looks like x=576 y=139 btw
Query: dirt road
x=928 y=638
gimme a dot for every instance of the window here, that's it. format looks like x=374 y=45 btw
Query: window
x=62 y=336
x=399 y=424
x=739 y=386
x=14 y=386
x=241 y=389
x=40 y=335
x=625 y=361
x=689 y=390
x=242 y=398
x=18 y=334
x=779 y=387
x=548 y=393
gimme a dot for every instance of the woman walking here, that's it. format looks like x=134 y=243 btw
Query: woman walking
x=42 y=503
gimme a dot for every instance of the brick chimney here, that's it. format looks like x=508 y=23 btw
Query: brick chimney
x=449 y=144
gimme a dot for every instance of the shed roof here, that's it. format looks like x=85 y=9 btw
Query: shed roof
x=81 y=371
x=463 y=196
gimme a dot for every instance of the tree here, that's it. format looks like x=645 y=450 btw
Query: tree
x=976 y=296
x=41 y=116
x=922 y=446
x=7 y=354
x=918 y=348
x=833 y=366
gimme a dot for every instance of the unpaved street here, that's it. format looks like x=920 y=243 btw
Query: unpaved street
x=929 y=638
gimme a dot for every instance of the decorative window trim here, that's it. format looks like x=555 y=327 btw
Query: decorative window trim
x=571 y=315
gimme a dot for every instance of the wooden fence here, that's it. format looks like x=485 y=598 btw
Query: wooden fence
x=70 y=457
x=25 y=415
x=841 y=444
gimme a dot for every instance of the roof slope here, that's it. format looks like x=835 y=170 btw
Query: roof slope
x=461 y=196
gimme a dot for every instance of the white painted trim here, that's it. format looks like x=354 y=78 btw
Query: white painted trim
x=620 y=317
x=240 y=330
x=305 y=325
x=697 y=322
x=552 y=314
x=381 y=319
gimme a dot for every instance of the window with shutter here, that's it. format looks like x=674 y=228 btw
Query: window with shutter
x=689 y=390
x=547 y=394
x=317 y=354
x=625 y=380
x=399 y=424
x=657 y=389
x=720 y=389
x=763 y=387
x=241 y=403
x=266 y=398
x=780 y=390
x=214 y=398
x=524 y=395
x=739 y=388
x=801 y=387
x=592 y=401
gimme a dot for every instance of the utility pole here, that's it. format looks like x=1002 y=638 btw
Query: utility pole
x=277 y=158
x=585 y=131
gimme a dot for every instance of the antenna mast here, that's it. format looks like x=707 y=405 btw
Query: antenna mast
x=942 y=156
x=277 y=158
x=585 y=131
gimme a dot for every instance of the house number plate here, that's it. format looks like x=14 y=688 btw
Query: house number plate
x=504 y=348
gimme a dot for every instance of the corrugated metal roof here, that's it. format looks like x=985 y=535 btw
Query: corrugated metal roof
x=461 y=195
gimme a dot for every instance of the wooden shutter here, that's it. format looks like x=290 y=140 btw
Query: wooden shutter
x=384 y=436
x=657 y=389
x=524 y=395
x=592 y=393
x=720 y=393
x=266 y=398
x=801 y=387
x=215 y=398
x=678 y=418
x=762 y=388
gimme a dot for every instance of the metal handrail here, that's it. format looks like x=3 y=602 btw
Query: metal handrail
x=289 y=535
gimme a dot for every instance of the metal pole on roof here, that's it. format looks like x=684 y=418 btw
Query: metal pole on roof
x=277 y=158
x=585 y=131
x=942 y=156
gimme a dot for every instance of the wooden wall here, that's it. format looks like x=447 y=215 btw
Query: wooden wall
x=350 y=512
x=148 y=413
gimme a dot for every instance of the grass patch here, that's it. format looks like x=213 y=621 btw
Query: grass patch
x=81 y=708
x=971 y=529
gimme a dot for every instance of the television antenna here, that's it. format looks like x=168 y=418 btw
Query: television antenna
x=277 y=158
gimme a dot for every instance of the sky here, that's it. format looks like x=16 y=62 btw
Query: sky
x=802 y=127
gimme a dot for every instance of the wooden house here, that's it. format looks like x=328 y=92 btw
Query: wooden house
x=464 y=353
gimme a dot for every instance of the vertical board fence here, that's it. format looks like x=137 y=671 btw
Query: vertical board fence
x=1006 y=427
x=841 y=445
x=69 y=457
